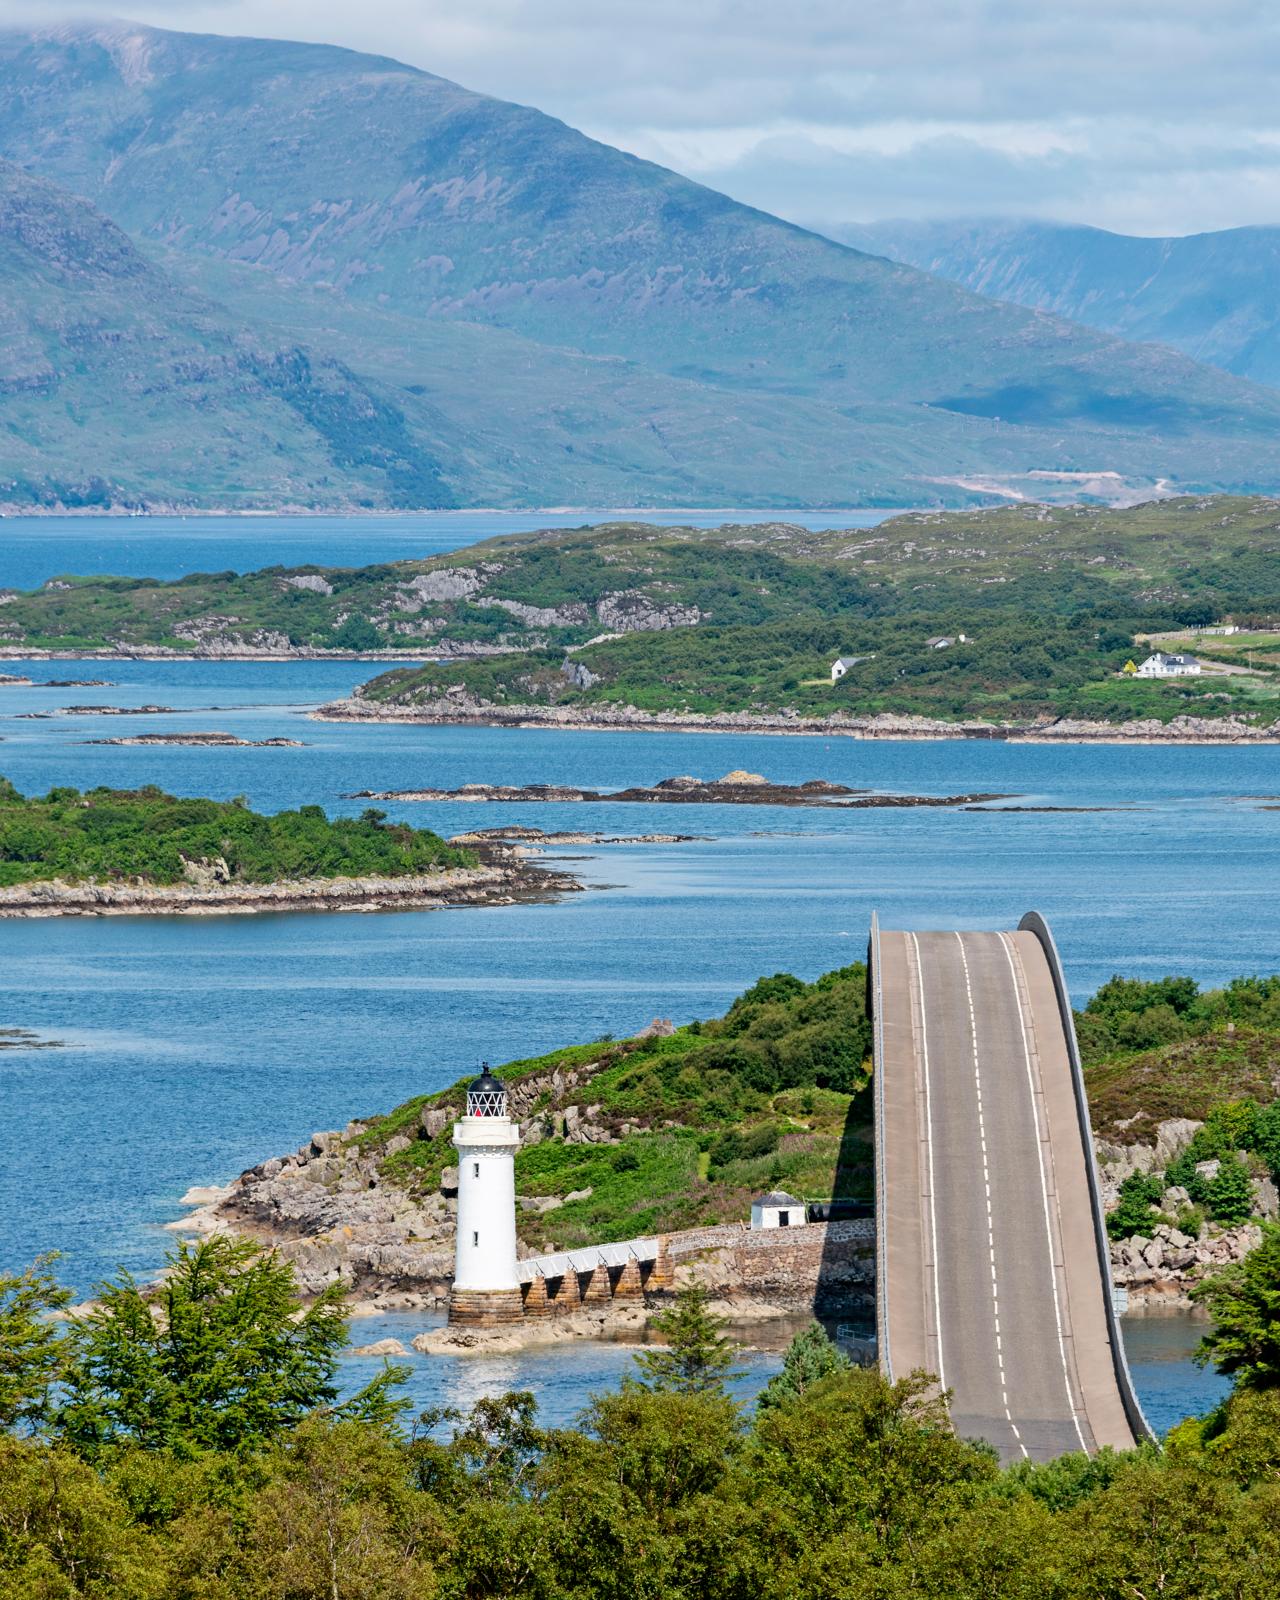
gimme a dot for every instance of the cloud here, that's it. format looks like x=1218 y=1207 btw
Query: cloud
x=1144 y=115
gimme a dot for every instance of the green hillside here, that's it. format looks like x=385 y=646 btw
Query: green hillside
x=553 y=319
x=1043 y=607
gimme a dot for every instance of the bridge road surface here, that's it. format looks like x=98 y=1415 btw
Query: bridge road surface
x=990 y=1265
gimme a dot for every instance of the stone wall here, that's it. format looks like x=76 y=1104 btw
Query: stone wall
x=821 y=1265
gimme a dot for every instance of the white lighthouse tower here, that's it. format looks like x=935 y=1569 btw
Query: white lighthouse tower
x=485 y=1286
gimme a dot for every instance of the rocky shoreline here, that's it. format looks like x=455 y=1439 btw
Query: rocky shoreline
x=508 y=881
x=465 y=710
x=330 y=1209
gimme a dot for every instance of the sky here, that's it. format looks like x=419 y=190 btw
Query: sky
x=1143 y=116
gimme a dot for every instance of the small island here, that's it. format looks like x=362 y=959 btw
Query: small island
x=125 y=852
x=736 y=788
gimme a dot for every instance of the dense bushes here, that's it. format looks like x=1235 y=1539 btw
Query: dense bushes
x=149 y=835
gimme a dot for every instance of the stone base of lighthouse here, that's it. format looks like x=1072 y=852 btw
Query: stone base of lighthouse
x=485 y=1308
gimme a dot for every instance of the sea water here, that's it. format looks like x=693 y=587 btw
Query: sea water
x=35 y=548
x=190 y=1048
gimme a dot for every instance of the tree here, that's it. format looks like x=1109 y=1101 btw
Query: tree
x=811 y=1356
x=1229 y=1193
x=1244 y=1301
x=31 y=1351
x=222 y=1356
x=697 y=1358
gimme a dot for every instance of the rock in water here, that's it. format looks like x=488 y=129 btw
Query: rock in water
x=381 y=1347
x=738 y=776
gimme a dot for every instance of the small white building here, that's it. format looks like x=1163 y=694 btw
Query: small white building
x=777 y=1209
x=841 y=665
x=1161 y=665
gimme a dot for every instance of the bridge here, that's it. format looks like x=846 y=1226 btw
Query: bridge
x=992 y=1263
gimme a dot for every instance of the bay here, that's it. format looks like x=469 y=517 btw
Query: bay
x=35 y=548
x=194 y=1047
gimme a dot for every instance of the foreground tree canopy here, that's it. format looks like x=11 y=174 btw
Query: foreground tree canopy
x=185 y=1444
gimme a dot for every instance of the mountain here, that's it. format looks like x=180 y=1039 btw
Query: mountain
x=560 y=321
x=1214 y=296
x=118 y=386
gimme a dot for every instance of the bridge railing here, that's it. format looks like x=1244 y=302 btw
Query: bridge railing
x=587 y=1259
x=877 y=1058
x=1035 y=924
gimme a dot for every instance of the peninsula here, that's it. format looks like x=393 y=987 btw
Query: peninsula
x=1024 y=621
x=131 y=852
x=676 y=1131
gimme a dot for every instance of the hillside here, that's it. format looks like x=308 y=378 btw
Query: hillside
x=1214 y=296
x=1043 y=607
x=315 y=188
x=120 y=387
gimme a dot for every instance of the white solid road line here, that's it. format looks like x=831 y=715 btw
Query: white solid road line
x=928 y=1123
x=1007 y=942
x=986 y=1179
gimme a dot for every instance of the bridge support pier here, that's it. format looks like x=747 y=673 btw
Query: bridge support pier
x=593 y=1286
x=628 y=1285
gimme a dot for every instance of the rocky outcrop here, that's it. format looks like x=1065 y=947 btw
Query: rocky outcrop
x=631 y=611
x=1163 y=1265
x=569 y=616
x=204 y=741
x=1166 y=1264
x=735 y=788
x=497 y=884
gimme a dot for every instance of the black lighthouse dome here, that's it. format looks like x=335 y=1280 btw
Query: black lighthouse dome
x=487 y=1095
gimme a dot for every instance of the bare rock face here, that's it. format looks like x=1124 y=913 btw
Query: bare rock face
x=629 y=611
x=580 y=676
x=311 y=581
x=446 y=583
x=568 y=616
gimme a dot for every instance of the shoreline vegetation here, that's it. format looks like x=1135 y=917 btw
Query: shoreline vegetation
x=130 y=852
x=1018 y=621
x=460 y=711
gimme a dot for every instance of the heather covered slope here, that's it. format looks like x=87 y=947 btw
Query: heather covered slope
x=117 y=386
x=390 y=193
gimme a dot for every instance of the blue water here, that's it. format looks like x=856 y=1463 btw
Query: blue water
x=1159 y=1347
x=35 y=548
x=196 y=1047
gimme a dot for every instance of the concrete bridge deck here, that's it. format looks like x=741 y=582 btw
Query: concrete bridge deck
x=992 y=1262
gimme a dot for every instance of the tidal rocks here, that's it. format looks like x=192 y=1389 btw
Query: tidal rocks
x=736 y=788
x=202 y=740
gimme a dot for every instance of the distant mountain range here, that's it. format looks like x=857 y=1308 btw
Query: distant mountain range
x=368 y=286
x=1214 y=296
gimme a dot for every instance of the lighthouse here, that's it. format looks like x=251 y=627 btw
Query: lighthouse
x=485 y=1286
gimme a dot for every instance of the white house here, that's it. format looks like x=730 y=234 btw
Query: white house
x=841 y=665
x=1161 y=665
x=777 y=1209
